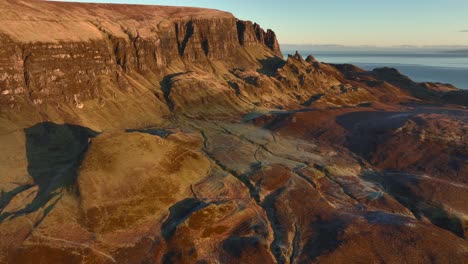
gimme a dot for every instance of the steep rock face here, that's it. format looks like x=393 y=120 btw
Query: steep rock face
x=46 y=59
x=251 y=34
x=212 y=39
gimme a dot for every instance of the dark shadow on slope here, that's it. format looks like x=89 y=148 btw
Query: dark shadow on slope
x=54 y=153
x=325 y=238
x=456 y=97
x=179 y=212
x=189 y=30
x=279 y=229
x=368 y=129
x=241 y=28
x=235 y=86
x=313 y=99
x=378 y=217
x=271 y=65
x=166 y=87
x=236 y=245
x=401 y=186
x=424 y=91
x=206 y=47
x=6 y=197
x=163 y=133
x=394 y=77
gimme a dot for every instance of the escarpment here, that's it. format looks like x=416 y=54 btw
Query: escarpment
x=251 y=34
x=155 y=134
x=121 y=52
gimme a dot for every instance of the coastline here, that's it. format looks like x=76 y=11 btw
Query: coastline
x=419 y=67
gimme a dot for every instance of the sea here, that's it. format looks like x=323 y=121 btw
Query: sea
x=444 y=65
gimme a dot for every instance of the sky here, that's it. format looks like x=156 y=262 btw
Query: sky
x=347 y=22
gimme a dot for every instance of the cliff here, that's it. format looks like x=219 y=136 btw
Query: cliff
x=154 y=134
x=67 y=53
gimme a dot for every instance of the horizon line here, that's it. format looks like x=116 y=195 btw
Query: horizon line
x=376 y=46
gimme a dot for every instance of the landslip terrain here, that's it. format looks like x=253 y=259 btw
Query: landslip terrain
x=154 y=134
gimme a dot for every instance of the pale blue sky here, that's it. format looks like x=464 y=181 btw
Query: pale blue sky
x=347 y=22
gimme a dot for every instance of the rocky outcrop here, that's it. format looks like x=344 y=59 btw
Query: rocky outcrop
x=251 y=34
